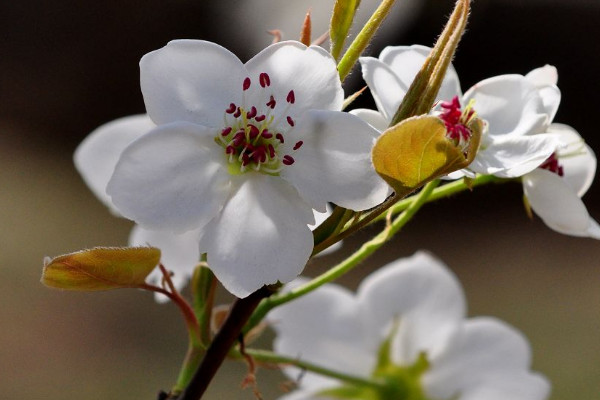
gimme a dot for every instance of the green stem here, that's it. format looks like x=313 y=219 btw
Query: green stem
x=442 y=192
x=270 y=357
x=363 y=38
x=361 y=254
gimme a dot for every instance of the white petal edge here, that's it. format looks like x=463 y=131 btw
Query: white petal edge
x=95 y=158
x=179 y=254
x=191 y=80
x=173 y=178
x=387 y=90
x=522 y=385
x=576 y=157
x=510 y=104
x=334 y=163
x=372 y=117
x=320 y=217
x=513 y=156
x=260 y=237
x=406 y=61
x=310 y=72
x=425 y=296
x=557 y=204
x=323 y=327
x=482 y=347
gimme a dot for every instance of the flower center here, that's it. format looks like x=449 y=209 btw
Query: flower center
x=253 y=134
x=552 y=165
x=457 y=121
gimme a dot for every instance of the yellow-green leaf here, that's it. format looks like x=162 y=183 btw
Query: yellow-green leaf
x=416 y=151
x=102 y=268
x=341 y=21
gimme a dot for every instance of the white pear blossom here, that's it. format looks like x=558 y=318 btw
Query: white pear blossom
x=239 y=153
x=95 y=159
x=554 y=190
x=514 y=108
x=415 y=305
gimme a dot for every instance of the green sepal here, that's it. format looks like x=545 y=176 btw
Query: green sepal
x=341 y=21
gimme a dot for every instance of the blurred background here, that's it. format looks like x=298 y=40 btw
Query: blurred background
x=68 y=66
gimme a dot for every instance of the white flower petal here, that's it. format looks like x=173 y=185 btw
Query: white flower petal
x=310 y=72
x=386 y=88
x=320 y=217
x=324 y=328
x=191 y=80
x=96 y=157
x=545 y=78
x=577 y=158
x=260 y=237
x=423 y=294
x=406 y=61
x=523 y=385
x=510 y=104
x=556 y=203
x=511 y=156
x=482 y=347
x=178 y=254
x=372 y=117
x=172 y=178
x=334 y=162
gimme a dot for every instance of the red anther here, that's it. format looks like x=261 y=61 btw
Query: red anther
x=298 y=144
x=246 y=83
x=259 y=154
x=279 y=137
x=253 y=131
x=266 y=134
x=291 y=98
x=271 y=151
x=260 y=118
x=229 y=150
x=290 y=121
x=226 y=131
x=264 y=79
x=288 y=160
x=231 y=109
x=239 y=138
x=237 y=113
x=271 y=102
x=252 y=113
x=245 y=159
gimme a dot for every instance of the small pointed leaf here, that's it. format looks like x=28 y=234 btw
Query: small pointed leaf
x=416 y=151
x=341 y=21
x=102 y=268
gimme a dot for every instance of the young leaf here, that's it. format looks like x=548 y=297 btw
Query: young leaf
x=102 y=268
x=341 y=21
x=416 y=151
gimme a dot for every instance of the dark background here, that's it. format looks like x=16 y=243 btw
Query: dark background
x=68 y=66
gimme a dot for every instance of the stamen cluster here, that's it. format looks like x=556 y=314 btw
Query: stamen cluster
x=551 y=164
x=252 y=135
x=457 y=120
